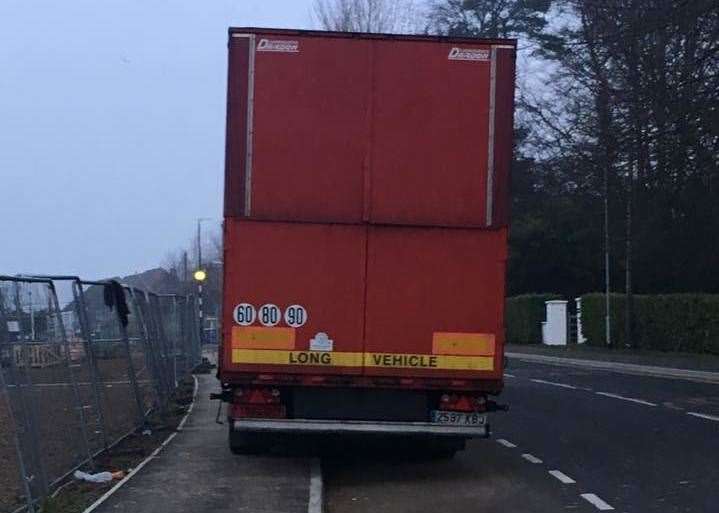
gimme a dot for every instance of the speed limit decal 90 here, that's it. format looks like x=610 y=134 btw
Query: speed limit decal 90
x=269 y=315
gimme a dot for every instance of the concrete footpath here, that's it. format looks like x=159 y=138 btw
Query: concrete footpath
x=623 y=368
x=197 y=472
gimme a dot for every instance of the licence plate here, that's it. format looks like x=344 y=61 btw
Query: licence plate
x=458 y=419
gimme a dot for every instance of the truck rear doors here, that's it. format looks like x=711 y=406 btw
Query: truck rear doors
x=366 y=204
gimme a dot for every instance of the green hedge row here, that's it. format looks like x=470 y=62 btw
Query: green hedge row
x=523 y=318
x=670 y=322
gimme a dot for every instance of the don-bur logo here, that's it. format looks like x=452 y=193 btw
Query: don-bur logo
x=468 y=54
x=277 y=45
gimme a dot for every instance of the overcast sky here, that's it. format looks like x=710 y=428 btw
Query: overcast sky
x=112 y=127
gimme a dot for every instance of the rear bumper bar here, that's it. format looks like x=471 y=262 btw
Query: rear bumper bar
x=360 y=427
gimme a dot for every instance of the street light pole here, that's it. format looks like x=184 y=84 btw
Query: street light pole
x=607 y=289
x=199 y=243
x=200 y=276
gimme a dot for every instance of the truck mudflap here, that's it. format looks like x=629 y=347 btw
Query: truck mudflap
x=299 y=426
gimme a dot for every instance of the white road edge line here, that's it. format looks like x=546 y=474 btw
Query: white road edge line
x=543 y=382
x=506 y=443
x=630 y=399
x=144 y=462
x=316 y=503
x=531 y=458
x=703 y=416
x=508 y=375
x=564 y=478
x=596 y=502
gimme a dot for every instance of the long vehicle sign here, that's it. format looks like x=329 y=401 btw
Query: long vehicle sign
x=356 y=359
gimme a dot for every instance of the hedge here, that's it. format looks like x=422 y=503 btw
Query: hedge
x=670 y=322
x=523 y=318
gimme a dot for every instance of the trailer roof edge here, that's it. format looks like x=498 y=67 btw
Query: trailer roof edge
x=508 y=42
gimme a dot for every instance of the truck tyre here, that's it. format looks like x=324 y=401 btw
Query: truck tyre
x=248 y=443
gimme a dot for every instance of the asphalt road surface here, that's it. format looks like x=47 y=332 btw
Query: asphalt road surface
x=574 y=440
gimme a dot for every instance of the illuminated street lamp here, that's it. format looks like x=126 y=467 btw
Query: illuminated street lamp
x=200 y=276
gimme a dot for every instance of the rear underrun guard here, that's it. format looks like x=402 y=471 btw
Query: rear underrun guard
x=361 y=427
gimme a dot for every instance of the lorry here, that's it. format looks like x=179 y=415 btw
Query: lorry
x=366 y=216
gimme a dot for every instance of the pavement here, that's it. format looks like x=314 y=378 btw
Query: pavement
x=621 y=368
x=196 y=472
x=642 y=357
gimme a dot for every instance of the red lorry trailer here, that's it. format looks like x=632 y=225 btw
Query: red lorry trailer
x=365 y=235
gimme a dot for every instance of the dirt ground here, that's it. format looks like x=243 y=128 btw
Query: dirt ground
x=76 y=496
x=9 y=472
x=58 y=423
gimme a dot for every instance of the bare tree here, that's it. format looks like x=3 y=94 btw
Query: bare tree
x=489 y=18
x=388 y=16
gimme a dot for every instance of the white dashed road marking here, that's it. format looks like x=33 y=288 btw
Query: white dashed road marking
x=564 y=478
x=703 y=416
x=563 y=385
x=531 y=458
x=316 y=500
x=596 y=502
x=506 y=443
x=508 y=375
x=630 y=399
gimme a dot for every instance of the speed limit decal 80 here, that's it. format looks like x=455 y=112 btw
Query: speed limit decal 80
x=269 y=315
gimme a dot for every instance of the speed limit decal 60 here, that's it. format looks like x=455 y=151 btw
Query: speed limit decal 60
x=295 y=316
x=269 y=315
x=244 y=314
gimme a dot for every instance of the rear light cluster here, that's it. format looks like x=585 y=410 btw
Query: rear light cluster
x=264 y=402
x=464 y=403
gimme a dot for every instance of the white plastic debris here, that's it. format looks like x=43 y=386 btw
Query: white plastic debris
x=101 y=477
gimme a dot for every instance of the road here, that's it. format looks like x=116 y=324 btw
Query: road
x=631 y=443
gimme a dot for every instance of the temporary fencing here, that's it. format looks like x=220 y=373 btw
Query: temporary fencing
x=82 y=365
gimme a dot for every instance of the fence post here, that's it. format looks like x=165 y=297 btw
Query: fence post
x=580 y=332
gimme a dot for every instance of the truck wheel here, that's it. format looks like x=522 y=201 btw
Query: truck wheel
x=248 y=443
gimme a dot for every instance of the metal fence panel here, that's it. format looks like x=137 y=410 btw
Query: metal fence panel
x=120 y=401
x=41 y=383
x=142 y=355
x=20 y=461
x=76 y=376
x=194 y=344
